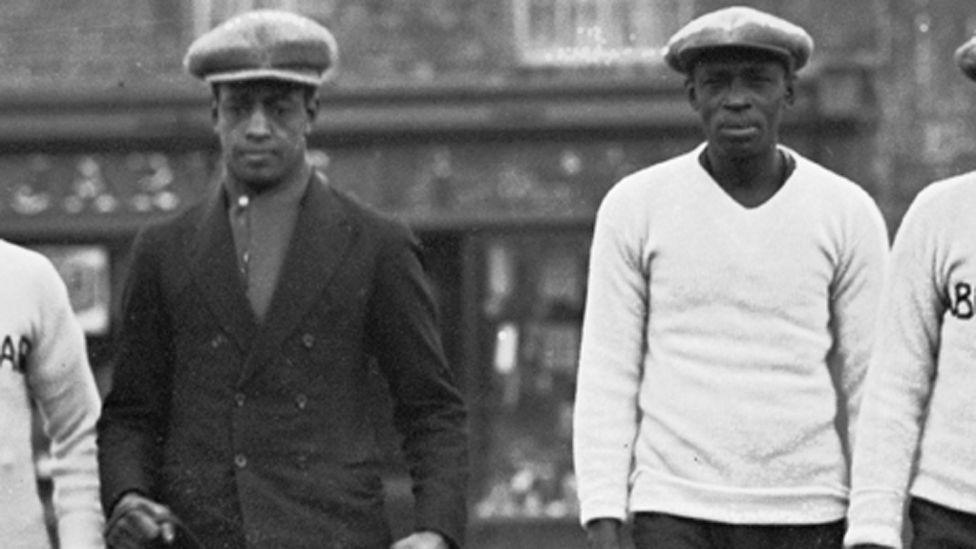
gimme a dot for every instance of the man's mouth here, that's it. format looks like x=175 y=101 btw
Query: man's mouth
x=738 y=130
x=255 y=155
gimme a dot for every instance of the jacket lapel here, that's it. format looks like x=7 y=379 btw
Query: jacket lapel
x=214 y=265
x=319 y=242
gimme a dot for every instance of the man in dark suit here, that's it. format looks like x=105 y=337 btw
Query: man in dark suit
x=239 y=411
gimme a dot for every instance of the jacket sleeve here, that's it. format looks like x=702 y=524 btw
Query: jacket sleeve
x=130 y=431
x=62 y=385
x=428 y=408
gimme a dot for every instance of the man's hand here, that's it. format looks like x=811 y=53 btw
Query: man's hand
x=422 y=540
x=603 y=534
x=137 y=520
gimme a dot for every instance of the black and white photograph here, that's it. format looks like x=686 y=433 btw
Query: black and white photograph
x=488 y=274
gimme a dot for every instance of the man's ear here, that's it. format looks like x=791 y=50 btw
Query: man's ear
x=214 y=104
x=691 y=92
x=312 y=108
x=790 y=94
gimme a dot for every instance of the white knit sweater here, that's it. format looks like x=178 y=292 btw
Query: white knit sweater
x=925 y=359
x=43 y=357
x=713 y=338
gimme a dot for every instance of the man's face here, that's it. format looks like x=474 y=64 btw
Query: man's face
x=262 y=126
x=740 y=99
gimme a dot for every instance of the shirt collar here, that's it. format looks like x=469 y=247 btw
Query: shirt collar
x=288 y=194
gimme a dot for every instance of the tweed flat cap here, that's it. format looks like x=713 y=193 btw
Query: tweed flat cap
x=264 y=44
x=738 y=27
x=966 y=58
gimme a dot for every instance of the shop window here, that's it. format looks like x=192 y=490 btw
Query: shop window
x=84 y=268
x=528 y=331
x=596 y=32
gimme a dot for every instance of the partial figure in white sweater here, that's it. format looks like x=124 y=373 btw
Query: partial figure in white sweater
x=43 y=359
x=730 y=309
x=917 y=442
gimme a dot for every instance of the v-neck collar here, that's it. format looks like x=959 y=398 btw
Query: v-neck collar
x=789 y=169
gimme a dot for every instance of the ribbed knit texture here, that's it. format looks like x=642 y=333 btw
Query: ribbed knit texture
x=713 y=339
x=925 y=358
x=37 y=324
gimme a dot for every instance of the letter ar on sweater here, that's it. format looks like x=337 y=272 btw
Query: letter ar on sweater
x=14 y=355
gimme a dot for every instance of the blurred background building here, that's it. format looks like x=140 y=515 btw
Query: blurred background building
x=493 y=127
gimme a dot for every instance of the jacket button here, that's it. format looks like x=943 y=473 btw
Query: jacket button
x=217 y=341
x=301 y=401
x=240 y=460
x=239 y=399
x=308 y=340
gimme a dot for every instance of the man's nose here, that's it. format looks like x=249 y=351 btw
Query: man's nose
x=257 y=123
x=737 y=96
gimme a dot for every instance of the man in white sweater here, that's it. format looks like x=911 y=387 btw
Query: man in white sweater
x=43 y=359
x=731 y=299
x=917 y=438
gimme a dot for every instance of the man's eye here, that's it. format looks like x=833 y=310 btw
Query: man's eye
x=281 y=109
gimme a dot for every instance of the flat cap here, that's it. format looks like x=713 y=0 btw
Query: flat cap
x=738 y=27
x=966 y=58
x=264 y=44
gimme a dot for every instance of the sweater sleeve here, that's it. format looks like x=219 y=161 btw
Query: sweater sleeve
x=898 y=385
x=611 y=355
x=62 y=384
x=855 y=297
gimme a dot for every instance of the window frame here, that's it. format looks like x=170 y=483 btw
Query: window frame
x=589 y=45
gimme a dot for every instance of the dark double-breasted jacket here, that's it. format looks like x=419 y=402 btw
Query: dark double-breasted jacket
x=258 y=434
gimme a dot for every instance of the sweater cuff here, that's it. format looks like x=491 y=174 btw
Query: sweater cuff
x=81 y=530
x=601 y=510
x=875 y=517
